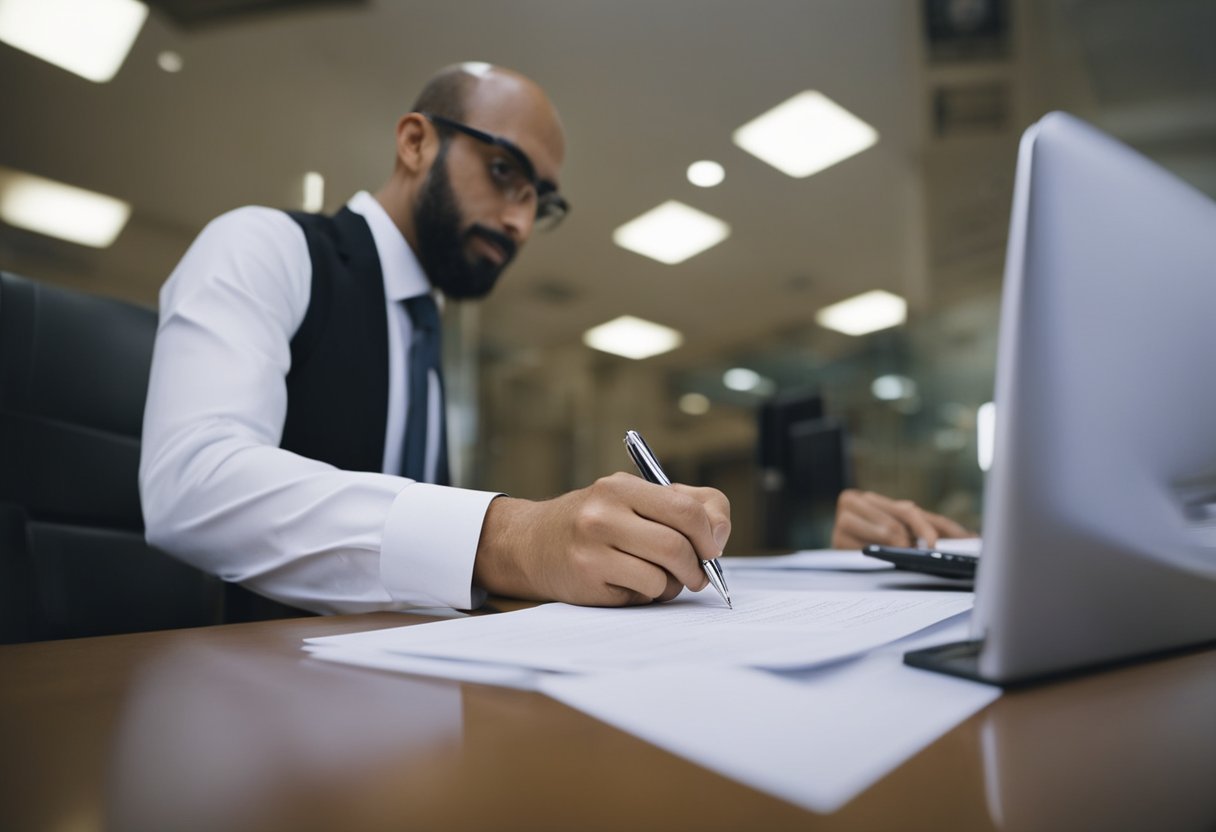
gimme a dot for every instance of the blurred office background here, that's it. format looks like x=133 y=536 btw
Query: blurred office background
x=220 y=103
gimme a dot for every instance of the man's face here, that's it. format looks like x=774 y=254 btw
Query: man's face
x=451 y=251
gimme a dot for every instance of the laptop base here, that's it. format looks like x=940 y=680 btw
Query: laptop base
x=959 y=658
x=962 y=659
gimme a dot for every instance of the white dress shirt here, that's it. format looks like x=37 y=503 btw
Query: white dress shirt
x=218 y=491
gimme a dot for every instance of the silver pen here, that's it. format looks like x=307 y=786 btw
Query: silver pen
x=648 y=465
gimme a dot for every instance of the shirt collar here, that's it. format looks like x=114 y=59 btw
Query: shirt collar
x=403 y=274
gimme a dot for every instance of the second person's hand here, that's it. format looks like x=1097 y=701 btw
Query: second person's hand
x=863 y=518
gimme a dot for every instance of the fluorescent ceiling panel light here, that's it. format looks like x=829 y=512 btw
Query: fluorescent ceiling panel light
x=632 y=337
x=314 y=192
x=671 y=233
x=864 y=313
x=805 y=134
x=59 y=210
x=88 y=37
x=706 y=174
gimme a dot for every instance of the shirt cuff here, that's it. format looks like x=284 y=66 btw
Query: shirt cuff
x=429 y=545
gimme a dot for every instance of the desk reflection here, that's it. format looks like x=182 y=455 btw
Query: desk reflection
x=1132 y=749
x=215 y=738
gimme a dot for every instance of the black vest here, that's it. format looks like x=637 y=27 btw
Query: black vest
x=337 y=388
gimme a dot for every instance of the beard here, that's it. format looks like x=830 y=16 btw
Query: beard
x=443 y=249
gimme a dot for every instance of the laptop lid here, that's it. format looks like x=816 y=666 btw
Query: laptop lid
x=1100 y=506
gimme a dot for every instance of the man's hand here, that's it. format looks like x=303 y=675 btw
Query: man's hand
x=863 y=517
x=619 y=541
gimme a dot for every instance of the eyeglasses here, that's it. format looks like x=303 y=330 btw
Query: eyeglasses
x=515 y=175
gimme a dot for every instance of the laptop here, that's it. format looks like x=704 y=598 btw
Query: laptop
x=1100 y=504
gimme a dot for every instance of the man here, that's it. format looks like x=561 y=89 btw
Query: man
x=863 y=517
x=294 y=382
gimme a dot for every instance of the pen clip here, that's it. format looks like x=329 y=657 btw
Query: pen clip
x=644 y=458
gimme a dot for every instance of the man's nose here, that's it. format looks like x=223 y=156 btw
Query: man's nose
x=518 y=219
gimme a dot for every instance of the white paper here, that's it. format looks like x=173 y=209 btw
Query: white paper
x=814 y=738
x=765 y=629
x=960 y=545
x=480 y=672
x=887 y=579
x=846 y=560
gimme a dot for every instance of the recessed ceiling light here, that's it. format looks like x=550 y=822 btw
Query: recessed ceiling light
x=88 y=37
x=632 y=337
x=59 y=210
x=314 y=192
x=743 y=380
x=805 y=134
x=892 y=388
x=706 y=174
x=694 y=404
x=671 y=233
x=865 y=313
x=170 y=61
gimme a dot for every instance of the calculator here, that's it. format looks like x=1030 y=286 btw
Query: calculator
x=929 y=561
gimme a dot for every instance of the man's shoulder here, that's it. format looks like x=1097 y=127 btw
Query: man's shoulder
x=252 y=219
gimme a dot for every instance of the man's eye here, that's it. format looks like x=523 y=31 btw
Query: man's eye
x=503 y=171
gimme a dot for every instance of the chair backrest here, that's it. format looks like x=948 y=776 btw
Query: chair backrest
x=73 y=561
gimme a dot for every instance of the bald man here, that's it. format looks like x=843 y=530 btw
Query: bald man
x=293 y=436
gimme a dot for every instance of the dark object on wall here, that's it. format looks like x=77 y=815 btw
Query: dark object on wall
x=194 y=13
x=966 y=30
x=804 y=467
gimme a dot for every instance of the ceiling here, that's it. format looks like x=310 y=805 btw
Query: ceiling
x=644 y=88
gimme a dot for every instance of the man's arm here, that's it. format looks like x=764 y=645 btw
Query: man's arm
x=863 y=517
x=219 y=493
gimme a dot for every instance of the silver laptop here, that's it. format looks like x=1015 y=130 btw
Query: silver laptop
x=1100 y=506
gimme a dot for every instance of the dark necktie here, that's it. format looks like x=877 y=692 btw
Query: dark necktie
x=424 y=357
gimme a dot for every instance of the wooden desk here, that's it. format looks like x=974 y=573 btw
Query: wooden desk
x=234 y=728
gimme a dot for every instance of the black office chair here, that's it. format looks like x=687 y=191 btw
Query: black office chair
x=73 y=561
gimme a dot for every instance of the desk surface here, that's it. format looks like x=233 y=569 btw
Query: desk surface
x=234 y=728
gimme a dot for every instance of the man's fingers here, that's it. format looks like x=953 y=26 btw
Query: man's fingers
x=625 y=579
x=947 y=527
x=717 y=509
x=916 y=520
x=702 y=515
x=664 y=547
x=871 y=518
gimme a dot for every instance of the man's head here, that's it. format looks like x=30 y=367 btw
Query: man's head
x=477 y=164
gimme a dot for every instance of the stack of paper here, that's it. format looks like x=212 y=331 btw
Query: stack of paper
x=810 y=701
x=766 y=628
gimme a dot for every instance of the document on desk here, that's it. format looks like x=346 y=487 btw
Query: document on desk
x=816 y=738
x=767 y=628
x=844 y=560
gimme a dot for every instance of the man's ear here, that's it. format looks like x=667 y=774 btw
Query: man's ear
x=416 y=145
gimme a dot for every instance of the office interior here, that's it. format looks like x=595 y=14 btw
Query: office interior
x=292 y=103
x=222 y=105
